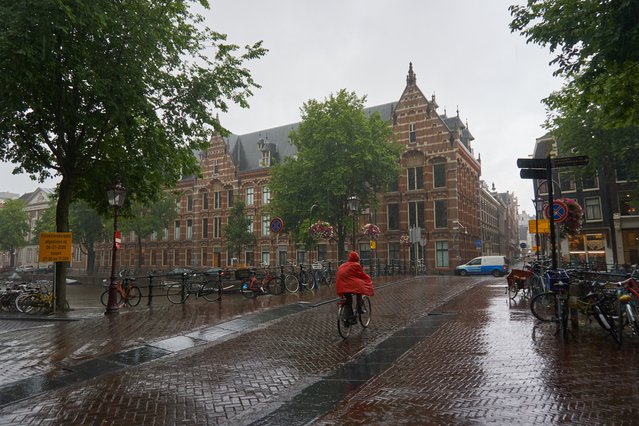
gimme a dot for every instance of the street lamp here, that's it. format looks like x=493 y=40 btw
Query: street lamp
x=459 y=240
x=116 y=196
x=353 y=207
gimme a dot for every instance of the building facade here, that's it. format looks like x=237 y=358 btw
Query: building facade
x=436 y=198
x=610 y=232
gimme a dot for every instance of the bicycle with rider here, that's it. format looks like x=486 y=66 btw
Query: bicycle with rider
x=351 y=279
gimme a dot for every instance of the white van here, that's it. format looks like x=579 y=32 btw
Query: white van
x=495 y=265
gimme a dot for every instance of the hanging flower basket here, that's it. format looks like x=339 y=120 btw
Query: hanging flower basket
x=371 y=231
x=404 y=240
x=571 y=226
x=321 y=230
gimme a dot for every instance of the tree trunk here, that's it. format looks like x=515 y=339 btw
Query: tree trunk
x=62 y=225
x=90 y=260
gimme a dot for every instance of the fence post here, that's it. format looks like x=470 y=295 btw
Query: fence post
x=150 y=289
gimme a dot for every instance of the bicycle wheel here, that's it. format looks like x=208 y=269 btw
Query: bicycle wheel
x=24 y=302
x=633 y=320
x=105 y=298
x=176 y=293
x=246 y=291
x=304 y=281
x=512 y=290
x=562 y=315
x=606 y=321
x=544 y=307
x=366 y=313
x=291 y=283
x=315 y=279
x=274 y=286
x=536 y=285
x=343 y=322
x=212 y=291
x=326 y=278
x=133 y=295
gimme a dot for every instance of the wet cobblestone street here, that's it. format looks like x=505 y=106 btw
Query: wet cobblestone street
x=440 y=350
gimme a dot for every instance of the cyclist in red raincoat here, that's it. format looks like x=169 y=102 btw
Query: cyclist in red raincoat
x=351 y=279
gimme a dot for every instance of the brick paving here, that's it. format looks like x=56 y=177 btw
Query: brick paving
x=488 y=362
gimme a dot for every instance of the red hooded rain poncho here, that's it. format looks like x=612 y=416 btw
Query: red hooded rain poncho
x=351 y=278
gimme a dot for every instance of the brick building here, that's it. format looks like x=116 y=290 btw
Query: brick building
x=437 y=194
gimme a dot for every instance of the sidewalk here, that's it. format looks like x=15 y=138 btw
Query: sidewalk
x=440 y=350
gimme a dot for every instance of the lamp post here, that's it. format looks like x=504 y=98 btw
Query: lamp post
x=459 y=250
x=353 y=207
x=116 y=196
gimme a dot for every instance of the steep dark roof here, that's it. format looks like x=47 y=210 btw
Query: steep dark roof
x=452 y=123
x=244 y=148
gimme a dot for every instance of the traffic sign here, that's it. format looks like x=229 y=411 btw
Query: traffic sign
x=533 y=174
x=532 y=163
x=580 y=160
x=55 y=247
x=277 y=224
x=559 y=211
x=541 y=226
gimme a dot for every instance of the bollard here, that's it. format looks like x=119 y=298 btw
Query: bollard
x=150 y=290
x=574 y=292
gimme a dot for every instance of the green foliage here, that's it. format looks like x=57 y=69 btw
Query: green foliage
x=46 y=221
x=597 y=51
x=340 y=152
x=236 y=232
x=94 y=91
x=144 y=219
x=14 y=227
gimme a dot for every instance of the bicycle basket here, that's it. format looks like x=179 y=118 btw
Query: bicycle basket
x=554 y=278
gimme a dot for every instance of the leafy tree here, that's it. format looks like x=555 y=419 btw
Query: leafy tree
x=596 y=43
x=597 y=49
x=98 y=91
x=340 y=152
x=144 y=219
x=236 y=232
x=87 y=227
x=14 y=227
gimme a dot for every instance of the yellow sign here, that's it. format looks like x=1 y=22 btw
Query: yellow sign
x=55 y=247
x=373 y=244
x=542 y=224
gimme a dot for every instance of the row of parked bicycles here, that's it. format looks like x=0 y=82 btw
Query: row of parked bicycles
x=579 y=296
x=210 y=285
x=27 y=297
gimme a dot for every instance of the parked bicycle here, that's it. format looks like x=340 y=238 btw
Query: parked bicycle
x=199 y=285
x=266 y=284
x=552 y=306
x=127 y=293
x=363 y=314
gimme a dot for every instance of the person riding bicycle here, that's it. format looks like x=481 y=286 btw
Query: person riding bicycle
x=351 y=279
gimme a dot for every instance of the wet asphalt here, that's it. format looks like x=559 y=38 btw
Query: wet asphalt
x=440 y=350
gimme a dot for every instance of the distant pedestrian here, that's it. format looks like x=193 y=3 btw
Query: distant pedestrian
x=351 y=279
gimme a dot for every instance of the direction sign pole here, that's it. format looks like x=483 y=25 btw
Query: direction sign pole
x=553 y=237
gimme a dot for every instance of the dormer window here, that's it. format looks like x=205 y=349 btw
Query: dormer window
x=265 y=161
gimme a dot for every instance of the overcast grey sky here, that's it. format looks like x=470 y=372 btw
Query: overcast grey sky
x=462 y=51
